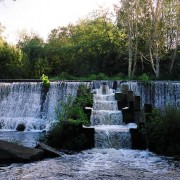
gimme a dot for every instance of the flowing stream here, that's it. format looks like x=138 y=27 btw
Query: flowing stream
x=96 y=164
x=111 y=158
x=107 y=120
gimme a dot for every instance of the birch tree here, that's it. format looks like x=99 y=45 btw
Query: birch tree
x=129 y=19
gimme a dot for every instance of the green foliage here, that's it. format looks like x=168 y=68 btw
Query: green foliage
x=71 y=112
x=96 y=48
x=70 y=115
x=101 y=76
x=89 y=47
x=33 y=49
x=84 y=97
x=163 y=132
x=45 y=80
x=66 y=76
x=144 y=77
x=11 y=61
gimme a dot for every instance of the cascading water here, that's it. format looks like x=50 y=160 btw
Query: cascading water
x=24 y=103
x=157 y=93
x=107 y=120
x=20 y=104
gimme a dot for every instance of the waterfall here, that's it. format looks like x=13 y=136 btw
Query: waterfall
x=107 y=120
x=157 y=93
x=26 y=103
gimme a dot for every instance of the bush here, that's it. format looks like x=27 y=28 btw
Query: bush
x=67 y=132
x=45 y=80
x=66 y=76
x=163 y=132
x=144 y=77
x=101 y=76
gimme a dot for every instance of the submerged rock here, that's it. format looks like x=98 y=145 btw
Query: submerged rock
x=11 y=152
x=48 y=151
x=20 y=127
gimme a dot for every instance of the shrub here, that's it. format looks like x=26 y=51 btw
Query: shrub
x=92 y=77
x=45 y=80
x=67 y=132
x=101 y=76
x=144 y=77
x=66 y=76
x=163 y=131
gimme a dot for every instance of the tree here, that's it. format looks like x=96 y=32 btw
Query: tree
x=33 y=48
x=152 y=28
x=11 y=61
x=129 y=20
x=172 y=17
x=88 y=47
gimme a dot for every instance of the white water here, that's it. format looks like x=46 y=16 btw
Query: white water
x=95 y=164
x=22 y=103
x=157 y=93
x=107 y=121
x=91 y=164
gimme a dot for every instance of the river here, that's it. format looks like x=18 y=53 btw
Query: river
x=96 y=164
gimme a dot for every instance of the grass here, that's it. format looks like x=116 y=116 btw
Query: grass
x=100 y=76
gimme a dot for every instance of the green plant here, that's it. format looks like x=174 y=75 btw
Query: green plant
x=45 y=80
x=70 y=115
x=92 y=77
x=144 y=77
x=84 y=96
x=66 y=76
x=163 y=131
x=101 y=76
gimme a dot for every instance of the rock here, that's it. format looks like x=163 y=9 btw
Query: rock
x=11 y=152
x=20 y=127
x=48 y=151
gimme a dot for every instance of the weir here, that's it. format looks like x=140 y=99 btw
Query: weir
x=157 y=93
x=107 y=120
x=30 y=104
x=27 y=103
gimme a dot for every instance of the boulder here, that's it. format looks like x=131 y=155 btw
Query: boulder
x=11 y=152
x=20 y=127
x=48 y=151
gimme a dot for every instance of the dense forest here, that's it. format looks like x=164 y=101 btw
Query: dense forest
x=141 y=39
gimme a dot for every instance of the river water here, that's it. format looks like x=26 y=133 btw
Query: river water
x=96 y=164
x=89 y=164
x=101 y=164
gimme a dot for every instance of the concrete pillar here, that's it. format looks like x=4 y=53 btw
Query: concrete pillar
x=130 y=96
x=137 y=103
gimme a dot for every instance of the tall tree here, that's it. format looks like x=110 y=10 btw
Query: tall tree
x=90 y=46
x=172 y=18
x=33 y=48
x=154 y=23
x=128 y=18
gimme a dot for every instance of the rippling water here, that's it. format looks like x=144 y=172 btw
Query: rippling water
x=96 y=164
x=90 y=164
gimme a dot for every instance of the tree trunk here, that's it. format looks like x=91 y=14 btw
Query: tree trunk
x=174 y=55
x=135 y=58
x=157 y=68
